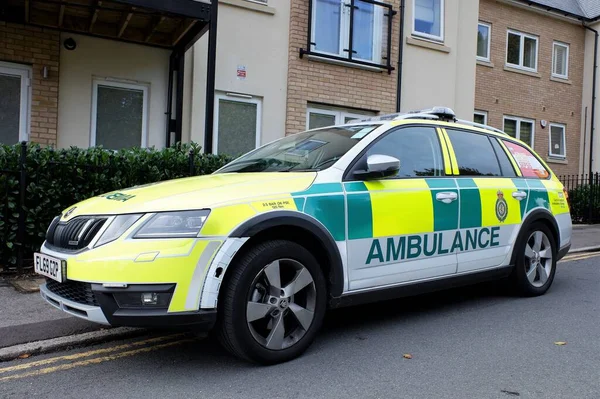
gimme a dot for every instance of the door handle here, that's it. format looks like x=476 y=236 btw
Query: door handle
x=446 y=197
x=519 y=195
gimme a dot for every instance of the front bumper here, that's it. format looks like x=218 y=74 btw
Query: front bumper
x=109 y=313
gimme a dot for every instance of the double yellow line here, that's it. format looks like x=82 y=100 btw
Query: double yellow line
x=580 y=256
x=111 y=353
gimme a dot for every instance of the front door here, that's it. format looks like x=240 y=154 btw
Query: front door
x=14 y=103
x=400 y=229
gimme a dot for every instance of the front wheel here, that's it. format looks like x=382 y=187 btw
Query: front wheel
x=273 y=304
x=536 y=261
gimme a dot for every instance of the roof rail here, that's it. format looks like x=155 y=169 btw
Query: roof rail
x=437 y=113
x=481 y=126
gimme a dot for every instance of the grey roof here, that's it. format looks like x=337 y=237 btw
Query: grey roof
x=588 y=9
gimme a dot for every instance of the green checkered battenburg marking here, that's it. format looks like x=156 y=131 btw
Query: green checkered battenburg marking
x=470 y=204
x=445 y=215
x=538 y=195
x=360 y=212
x=325 y=202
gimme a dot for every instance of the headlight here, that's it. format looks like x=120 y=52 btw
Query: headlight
x=182 y=224
x=119 y=225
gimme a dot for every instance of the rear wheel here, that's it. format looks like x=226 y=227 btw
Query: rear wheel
x=273 y=304
x=536 y=261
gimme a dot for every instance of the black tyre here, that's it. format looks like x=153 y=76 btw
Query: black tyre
x=273 y=303
x=535 y=266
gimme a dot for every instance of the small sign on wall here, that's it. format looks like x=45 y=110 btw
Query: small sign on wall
x=241 y=72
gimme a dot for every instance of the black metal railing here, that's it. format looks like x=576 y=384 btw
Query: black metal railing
x=381 y=29
x=584 y=197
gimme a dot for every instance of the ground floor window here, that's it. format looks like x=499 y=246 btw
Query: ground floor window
x=237 y=123
x=557 y=140
x=119 y=115
x=317 y=117
x=520 y=128
x=480 y=117
x=14 y=102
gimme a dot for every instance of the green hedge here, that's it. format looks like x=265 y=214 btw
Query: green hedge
x=579 y=201
x=56 y=179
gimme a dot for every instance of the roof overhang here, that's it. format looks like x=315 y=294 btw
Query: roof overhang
x=171 y=24
x=553 y=11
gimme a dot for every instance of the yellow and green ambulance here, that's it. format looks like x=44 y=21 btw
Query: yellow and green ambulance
x=256 y=252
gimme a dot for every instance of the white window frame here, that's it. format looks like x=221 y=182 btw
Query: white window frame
x=522 y=48
x=120 y=85
x=345 y=33
x=489 y=27
x=519 y=120
x=241 y=98
x=566 y=46
x=564 y=132
x=339 y=114
x=482 y=113
x=415 y=32
x=24 y=72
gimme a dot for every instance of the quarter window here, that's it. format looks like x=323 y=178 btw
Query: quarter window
x=237 y=124
x=560 y=60
x=557 y=140
x=474 y=154
x=429 y=19
x=520 y=128
x=521 y=50
x=417 y=148
x=528 y=163
x=483 y=41
x=119 y=115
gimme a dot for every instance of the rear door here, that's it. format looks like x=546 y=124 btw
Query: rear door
x=491 y=199
x=400 y=228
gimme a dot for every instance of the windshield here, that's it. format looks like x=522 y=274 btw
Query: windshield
x=314 y=150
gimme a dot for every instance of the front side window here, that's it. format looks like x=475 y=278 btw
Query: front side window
x=557 y=141
x=483 y=41
x=331 y=20
x=474 y=154
x=560 y=62
x=237 y=124
x=308 y=151
x=119 y=115
x=519 y=128
x=429 y=19
x=417 y=148
x=323 y=117
x=521 y=50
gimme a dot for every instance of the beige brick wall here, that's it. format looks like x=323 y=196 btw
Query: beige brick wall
x=335 y=85
x=37 y=48
x=500 y=92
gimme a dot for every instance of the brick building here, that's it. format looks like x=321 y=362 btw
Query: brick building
x=532 y=62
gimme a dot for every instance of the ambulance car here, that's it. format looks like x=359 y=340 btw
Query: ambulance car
x=257 y=252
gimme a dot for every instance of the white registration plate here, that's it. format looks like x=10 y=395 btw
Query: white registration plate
x=50 y=267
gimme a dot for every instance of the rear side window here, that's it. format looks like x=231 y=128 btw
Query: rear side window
x=528 y=163
x=505 y=164
x=474 y=154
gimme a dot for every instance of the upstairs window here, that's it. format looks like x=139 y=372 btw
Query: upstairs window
x=483 y=41
x=429 y=19
x=521 y=51
x=357 y=31
x=560 y=60
x=557 y=141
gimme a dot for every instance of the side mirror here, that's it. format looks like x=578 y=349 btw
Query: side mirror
x=379 y=166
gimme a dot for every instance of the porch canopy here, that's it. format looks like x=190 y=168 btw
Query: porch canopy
x=169 y=24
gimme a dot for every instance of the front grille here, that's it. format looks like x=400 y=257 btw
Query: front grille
x=73 y=291
x=75 y=234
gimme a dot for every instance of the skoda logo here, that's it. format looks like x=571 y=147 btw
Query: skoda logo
x=69 y=212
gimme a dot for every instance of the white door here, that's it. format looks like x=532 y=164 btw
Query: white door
x=14 y=103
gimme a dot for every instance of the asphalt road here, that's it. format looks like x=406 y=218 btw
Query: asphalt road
x=469 y=343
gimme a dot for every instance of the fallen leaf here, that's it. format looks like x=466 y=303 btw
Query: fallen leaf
x=560 y=343
x=407 y=356
x=24 y=356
